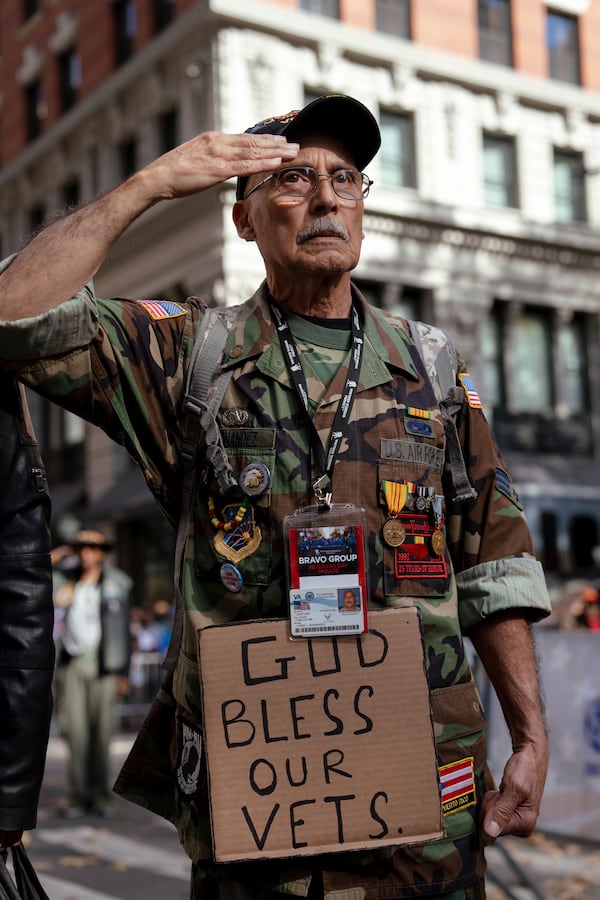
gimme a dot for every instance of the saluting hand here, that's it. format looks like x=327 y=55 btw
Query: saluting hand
x=210 y=158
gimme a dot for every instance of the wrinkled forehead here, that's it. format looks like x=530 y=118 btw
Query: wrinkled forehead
x=316 y=149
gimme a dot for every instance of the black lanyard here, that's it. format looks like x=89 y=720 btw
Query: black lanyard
x=325 y=462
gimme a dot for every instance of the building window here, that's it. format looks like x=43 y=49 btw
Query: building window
x=499 y=171
x=562 y=39
x=168 y=126
x=164 y=11
x=569 y=186
x=532 y=363
x=71 y=193
x=69 y=78
x=393 y=17
x=37 y=215
x=125 y=27
x=397 y=156
x=127 y=157
x=493 y=369
x=35 y=109
x=495 y=34
x=329 y=8
x=584 y=537
x=572 y=364
x=30 y=7
x=397 y=299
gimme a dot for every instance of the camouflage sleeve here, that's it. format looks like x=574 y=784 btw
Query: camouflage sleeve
x=71 y=325
x=488 y=536
x=119 y=364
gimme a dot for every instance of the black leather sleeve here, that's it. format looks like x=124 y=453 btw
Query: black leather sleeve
x=26 y=614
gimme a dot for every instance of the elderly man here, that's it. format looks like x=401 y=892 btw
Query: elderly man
x=328 y=402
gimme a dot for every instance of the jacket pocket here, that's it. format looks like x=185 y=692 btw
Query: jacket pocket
x=415 y=558
x=459 y=727
x=244 y=538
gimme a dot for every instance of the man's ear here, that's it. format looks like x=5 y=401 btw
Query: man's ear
x=242 y=222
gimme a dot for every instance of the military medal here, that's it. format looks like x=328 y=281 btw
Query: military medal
x=394 y=533
x=395 y=495
x=438 y=542
x=438 y=539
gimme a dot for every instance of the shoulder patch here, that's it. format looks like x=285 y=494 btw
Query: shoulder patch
x=469 y=389
x=504 y=484
x=162 y=309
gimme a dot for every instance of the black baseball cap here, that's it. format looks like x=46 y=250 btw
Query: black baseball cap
x=336 y=114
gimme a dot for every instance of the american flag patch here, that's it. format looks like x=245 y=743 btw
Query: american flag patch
x=458 y=786
x=162 y=309
x=472 y=395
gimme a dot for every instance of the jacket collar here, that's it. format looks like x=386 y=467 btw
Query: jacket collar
x=388 y=345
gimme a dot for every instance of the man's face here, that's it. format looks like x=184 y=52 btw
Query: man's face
x=296 y=236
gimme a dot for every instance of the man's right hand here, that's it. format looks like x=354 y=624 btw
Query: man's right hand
x=210 y=158
x=63 y=257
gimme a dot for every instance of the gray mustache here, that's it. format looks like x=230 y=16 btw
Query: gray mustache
x=322 y=227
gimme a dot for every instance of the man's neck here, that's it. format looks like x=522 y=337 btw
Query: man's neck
x=317 y=299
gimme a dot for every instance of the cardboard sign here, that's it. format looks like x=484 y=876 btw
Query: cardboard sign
x=317 y=746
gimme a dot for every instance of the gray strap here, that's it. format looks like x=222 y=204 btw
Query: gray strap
x=202 y=399
x=463 y=489
x=441 y=363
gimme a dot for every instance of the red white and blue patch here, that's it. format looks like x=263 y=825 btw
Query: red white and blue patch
x=458 y=786
x=162 y=309
x=469 y=388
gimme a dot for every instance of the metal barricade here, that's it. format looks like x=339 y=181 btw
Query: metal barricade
x=145 y=677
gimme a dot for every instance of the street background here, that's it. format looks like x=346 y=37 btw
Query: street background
x=135 y=855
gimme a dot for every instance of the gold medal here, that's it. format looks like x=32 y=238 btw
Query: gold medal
x=438 y=542
x=394 y=533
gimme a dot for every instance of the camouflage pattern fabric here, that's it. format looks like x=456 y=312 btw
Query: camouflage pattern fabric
x=130 y=380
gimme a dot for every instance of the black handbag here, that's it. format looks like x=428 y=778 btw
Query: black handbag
x=27 y=885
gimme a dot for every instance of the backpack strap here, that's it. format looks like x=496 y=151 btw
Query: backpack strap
x=441 y=364
x=205 y=388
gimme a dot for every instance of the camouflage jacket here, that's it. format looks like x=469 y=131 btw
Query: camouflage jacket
x=123 y=366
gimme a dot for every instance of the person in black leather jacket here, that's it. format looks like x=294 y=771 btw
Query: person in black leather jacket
x=26 y=617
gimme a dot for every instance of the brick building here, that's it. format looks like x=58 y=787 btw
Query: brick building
x=484 y=217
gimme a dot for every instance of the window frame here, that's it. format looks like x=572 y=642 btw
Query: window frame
x=510 y=173
x=393 y=17
x=495 y=44
x=577 y=181
x=407 y=167
x=567 y=70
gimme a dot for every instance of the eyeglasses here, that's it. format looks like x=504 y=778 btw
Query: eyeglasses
x=302 y=181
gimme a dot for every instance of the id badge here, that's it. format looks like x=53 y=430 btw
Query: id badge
x=325 y=554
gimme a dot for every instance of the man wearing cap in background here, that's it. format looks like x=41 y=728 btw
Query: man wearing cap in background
x=92 y=607
x=303 y=341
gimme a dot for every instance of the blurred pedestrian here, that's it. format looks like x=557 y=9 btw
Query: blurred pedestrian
x=585 y=610
x=93 y=603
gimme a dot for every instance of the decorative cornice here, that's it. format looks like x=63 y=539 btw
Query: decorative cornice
x=537 y=251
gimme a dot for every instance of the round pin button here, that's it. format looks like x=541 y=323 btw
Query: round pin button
x=255 y=479
x=231 y=578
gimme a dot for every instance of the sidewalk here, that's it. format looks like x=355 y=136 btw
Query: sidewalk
x=560 y=869
x=80 y=854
